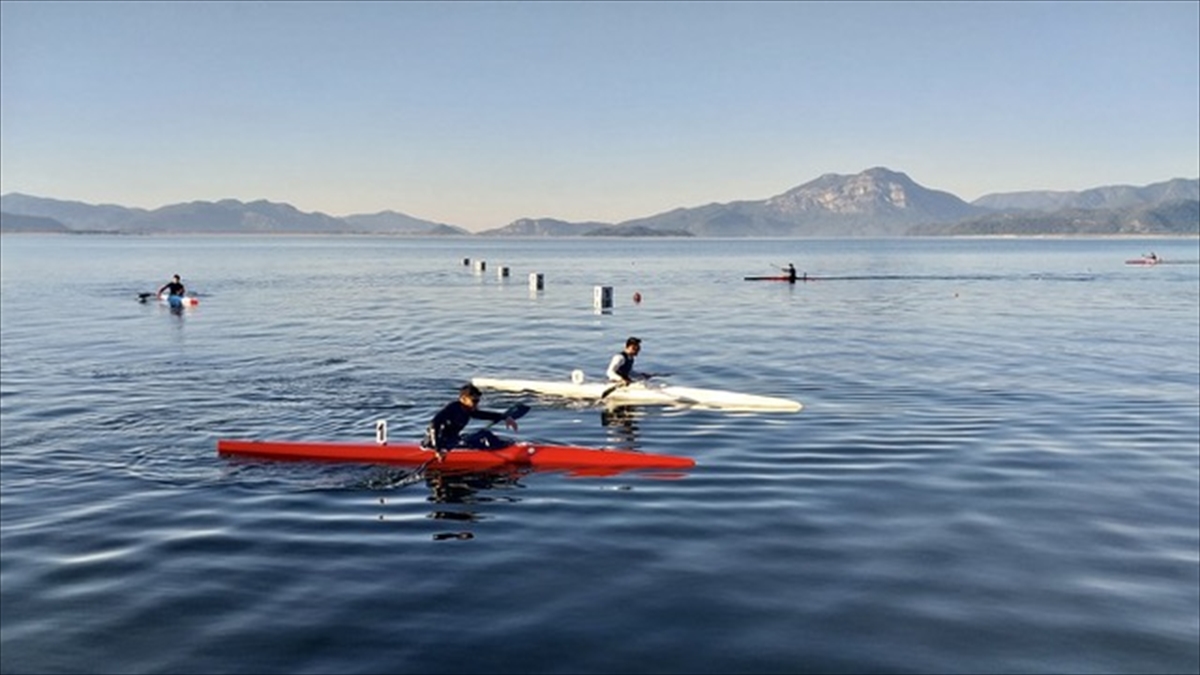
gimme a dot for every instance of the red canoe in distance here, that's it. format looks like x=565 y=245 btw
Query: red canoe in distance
x=536 y=456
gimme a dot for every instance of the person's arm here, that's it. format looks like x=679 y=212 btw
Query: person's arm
x=489 y=415
x=493 y=416
x=613 y=365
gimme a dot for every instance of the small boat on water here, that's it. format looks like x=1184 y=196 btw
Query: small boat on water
x=645 y=392
x=538 y=456
x=777 y=277
x=1151 y=259
x=175 y=301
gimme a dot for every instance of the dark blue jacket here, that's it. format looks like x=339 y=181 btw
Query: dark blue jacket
x=445 y=430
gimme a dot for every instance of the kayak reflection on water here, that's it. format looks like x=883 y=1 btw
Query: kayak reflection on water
x=622 y=424
x=454 y=493
x=448 y=488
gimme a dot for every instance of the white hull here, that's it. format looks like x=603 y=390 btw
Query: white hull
x=179 y=300
x=644 y=393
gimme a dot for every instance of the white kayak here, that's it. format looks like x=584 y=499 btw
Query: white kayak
x=645 y=392
x=175 y=301
x=179 y=300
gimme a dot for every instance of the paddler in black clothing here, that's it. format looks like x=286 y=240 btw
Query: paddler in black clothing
x=173 y=287
x=791 y=272
x=445 y=430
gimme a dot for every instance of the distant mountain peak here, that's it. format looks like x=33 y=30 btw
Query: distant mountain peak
x=877 y=202
x=875 y=192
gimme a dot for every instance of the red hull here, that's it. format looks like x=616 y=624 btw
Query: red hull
x=518 y=455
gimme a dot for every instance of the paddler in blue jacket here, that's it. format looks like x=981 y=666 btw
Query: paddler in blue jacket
x=445 y=429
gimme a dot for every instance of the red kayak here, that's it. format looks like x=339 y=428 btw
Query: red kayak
x=523 y=454
x=1143 y=261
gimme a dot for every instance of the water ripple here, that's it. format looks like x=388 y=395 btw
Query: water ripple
x=994 y=470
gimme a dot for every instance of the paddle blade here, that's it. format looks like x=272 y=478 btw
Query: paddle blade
x=517 y=411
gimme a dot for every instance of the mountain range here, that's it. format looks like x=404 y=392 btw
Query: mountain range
x=877 y=202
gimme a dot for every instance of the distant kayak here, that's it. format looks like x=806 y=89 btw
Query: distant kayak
x=782 y=277
x=176 y=301
x=1143 y=261
x=779 y=277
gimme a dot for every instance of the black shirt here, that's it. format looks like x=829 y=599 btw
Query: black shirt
x=445 y=429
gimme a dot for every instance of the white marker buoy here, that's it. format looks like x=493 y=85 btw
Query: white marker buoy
x=602 y=297
x=480 y=265
x=381 y=432
x=535 y=281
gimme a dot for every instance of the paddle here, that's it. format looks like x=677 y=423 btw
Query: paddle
x=515 y=412
x=645 y=376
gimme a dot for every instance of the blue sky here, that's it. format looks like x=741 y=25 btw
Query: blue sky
x=479 y=113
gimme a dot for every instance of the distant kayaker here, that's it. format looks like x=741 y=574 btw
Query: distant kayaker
x=791 y=272
x=445 y=429
x=620 y=368
x=173 y=287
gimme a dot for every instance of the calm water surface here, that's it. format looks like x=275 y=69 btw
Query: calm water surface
x=997 y=469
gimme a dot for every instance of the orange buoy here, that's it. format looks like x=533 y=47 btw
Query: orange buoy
x=637 y=297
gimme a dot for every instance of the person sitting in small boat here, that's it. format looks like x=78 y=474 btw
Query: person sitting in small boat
x=444 y=432
x=173 y=287
x=1153 y=257
x=791 y=272
x=620 y=368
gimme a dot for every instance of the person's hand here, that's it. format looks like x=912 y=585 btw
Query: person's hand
x=510 y=423
x=441 y=454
